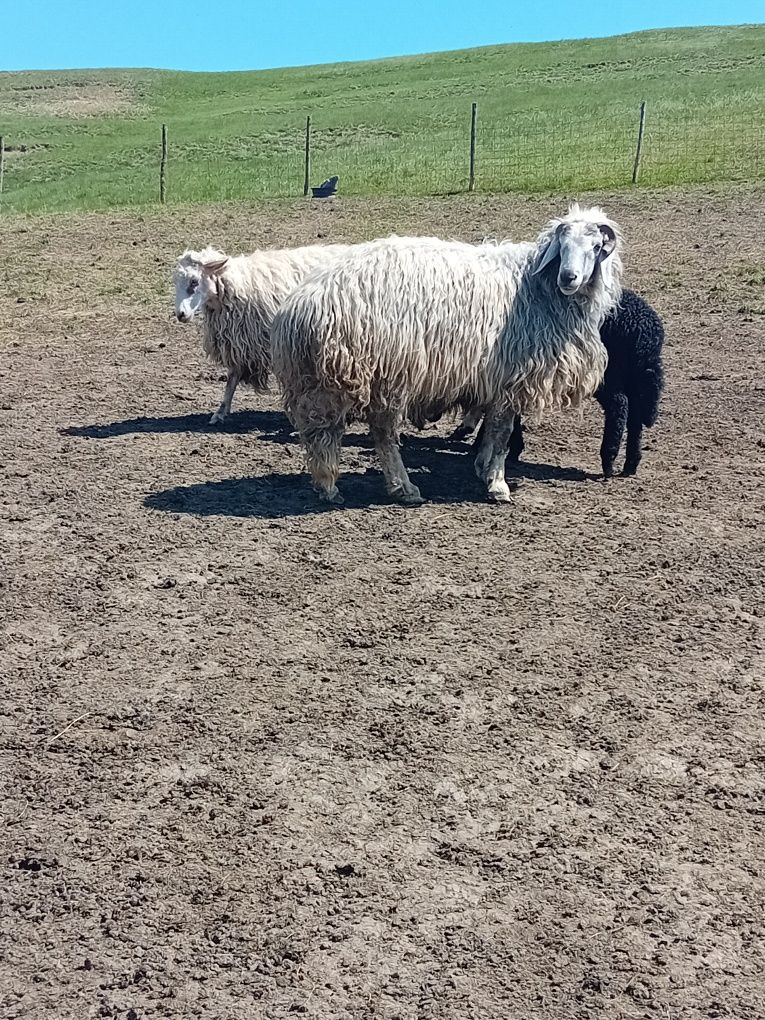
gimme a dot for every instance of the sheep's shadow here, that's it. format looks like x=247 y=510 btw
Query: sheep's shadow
x=274 y=496
x=442 y=479
x=539 y=472
x=431 y=451
x=273 y=424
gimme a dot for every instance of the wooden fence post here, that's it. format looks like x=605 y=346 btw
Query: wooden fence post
x=473 y=122
x=307 y=178
x=163 y=167
x=639 y=149
x=2 y=163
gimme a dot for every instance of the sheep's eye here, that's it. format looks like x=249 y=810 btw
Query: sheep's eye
x=191 y=287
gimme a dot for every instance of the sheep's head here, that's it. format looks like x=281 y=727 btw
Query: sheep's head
x=583 y=241
x=197 y=279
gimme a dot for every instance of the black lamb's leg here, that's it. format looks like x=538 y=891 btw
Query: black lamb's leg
x=615 y=409
x=516 y=440
x=634 y=436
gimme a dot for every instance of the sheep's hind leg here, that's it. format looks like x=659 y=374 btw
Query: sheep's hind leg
x=470 y=422
x=385 y=436
x=634 y=436
x=516 y=440
x=322 y=450
x=615 y=409
x=492 y=454
x=228 y=395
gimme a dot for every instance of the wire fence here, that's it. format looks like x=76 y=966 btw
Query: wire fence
x=528 y=152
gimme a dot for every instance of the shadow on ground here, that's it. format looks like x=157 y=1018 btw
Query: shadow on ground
x=274 y=424
x=274 y=496
x=429 y=452
x=419 y=450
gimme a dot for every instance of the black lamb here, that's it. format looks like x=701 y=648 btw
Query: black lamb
x=633 y=335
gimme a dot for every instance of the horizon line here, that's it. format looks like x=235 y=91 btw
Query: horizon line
x=388 y=57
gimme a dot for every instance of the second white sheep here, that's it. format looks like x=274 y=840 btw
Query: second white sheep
x=238 y=297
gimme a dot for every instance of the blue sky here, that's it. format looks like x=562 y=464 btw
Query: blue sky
x=222 y=35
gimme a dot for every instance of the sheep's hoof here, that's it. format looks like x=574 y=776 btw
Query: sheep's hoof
x=331 y=496
x=629 y=471
x=217 y=418
x=501 y=492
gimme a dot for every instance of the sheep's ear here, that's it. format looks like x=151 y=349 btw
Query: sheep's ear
x=608 y=238
x=550 y=253
x=216 y=267
x=216 y=298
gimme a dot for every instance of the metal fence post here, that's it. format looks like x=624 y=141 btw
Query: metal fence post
x=639 y=149
x=163 y=167
x=307 y=178
x=473 y=122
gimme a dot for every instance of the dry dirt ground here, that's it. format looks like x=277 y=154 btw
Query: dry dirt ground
x=464 y=762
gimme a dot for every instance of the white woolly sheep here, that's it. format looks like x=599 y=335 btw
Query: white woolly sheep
x=239 y=297
x=402 y=325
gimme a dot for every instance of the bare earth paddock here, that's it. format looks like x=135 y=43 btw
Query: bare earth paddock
x=464 y=762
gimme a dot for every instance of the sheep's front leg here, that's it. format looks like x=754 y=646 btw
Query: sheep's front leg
x=322 y=454
x=385 y=437
x=492 y=454
x=228 y=395
x=615 y=409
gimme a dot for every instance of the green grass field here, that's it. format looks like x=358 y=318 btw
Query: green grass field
x=554 y=116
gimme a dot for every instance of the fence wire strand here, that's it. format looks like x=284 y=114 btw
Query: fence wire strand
x=556 y=150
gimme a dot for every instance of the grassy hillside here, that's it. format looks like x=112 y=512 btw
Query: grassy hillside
x=555 y=115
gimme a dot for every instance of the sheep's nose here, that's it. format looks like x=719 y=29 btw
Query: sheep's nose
x=182 y=317
x=567 y=277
